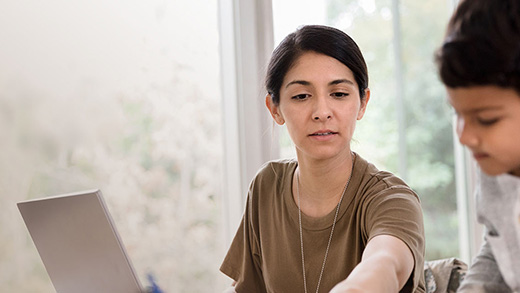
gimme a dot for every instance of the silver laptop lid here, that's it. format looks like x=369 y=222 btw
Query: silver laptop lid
x=79 y=244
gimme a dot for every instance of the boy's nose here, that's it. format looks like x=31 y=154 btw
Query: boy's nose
x=466 y=133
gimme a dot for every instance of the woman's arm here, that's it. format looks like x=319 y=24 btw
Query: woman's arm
x=385 y=266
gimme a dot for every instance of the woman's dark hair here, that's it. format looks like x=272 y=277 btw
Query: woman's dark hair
x=320 y=39
x=482 y=45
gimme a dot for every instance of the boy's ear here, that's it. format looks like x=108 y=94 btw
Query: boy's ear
x=274 y=110
x=364 y=103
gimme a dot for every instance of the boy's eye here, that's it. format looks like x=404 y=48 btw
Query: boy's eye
x=487 y=122
x=300 y=97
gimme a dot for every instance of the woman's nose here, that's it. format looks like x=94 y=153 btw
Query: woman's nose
x=322 y=110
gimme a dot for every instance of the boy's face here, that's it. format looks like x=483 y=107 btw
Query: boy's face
x=488 y=123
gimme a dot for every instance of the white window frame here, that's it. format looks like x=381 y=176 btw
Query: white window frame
x=246 y=43
x=470 y=231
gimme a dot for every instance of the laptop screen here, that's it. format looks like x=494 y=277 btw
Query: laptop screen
x=79 y=244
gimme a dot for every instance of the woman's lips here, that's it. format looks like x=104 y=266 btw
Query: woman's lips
x=323 y=132
x=323 y=135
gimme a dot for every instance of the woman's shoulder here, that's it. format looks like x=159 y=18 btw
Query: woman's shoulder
x=272 y=180
x=371 y=178
x=276 y=169
x=274 y=173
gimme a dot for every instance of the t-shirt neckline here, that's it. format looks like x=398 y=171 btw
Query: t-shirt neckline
x=325 y=222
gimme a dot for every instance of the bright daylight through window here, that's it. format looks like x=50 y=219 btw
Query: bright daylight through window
x=120 y=96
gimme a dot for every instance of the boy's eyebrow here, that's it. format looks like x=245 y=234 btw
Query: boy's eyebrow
x=488 y=108
x=480 y=109
x=334 y=82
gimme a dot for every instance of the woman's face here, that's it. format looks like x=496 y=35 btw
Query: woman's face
x=488 y=123
x=320 y=104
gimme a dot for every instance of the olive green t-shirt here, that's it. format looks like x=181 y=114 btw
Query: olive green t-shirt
x=265 y=255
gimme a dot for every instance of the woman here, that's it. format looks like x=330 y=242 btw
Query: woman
x=329 y=219
x=479 y=63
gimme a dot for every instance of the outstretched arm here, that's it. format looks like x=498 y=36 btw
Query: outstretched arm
x=385 y=266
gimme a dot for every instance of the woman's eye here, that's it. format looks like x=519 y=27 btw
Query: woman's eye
x=300 y=97
x=487 y=122
x=339 y=95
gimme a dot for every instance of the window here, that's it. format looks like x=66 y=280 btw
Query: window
x=407 y=127
x=123 y=96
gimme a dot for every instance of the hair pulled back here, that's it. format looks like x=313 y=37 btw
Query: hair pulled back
x=320 y=39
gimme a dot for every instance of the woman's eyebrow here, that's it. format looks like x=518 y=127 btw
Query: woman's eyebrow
x=301 y=82
x=334 y=82
x=338 y=81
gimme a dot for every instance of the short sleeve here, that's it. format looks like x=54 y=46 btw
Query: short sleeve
x=396 y=211
x=242 y=262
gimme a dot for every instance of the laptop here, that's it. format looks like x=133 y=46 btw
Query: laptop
x=79 y=244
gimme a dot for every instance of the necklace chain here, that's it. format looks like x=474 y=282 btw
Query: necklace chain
x=331 y=231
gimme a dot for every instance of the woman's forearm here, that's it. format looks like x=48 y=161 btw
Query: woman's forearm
x=386 y=265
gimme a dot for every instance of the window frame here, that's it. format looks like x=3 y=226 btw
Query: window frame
x=250 y=140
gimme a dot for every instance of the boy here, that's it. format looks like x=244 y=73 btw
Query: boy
x=479 y=63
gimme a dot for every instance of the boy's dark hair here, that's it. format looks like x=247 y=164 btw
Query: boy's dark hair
x=482 y=45
x=320 y=39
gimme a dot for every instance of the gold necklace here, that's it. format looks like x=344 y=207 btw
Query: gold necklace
x=331 y=231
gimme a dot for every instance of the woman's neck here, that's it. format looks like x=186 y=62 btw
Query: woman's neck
x=320 y=184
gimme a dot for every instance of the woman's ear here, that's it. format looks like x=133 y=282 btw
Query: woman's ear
x=363 y=106
x=274 y=110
